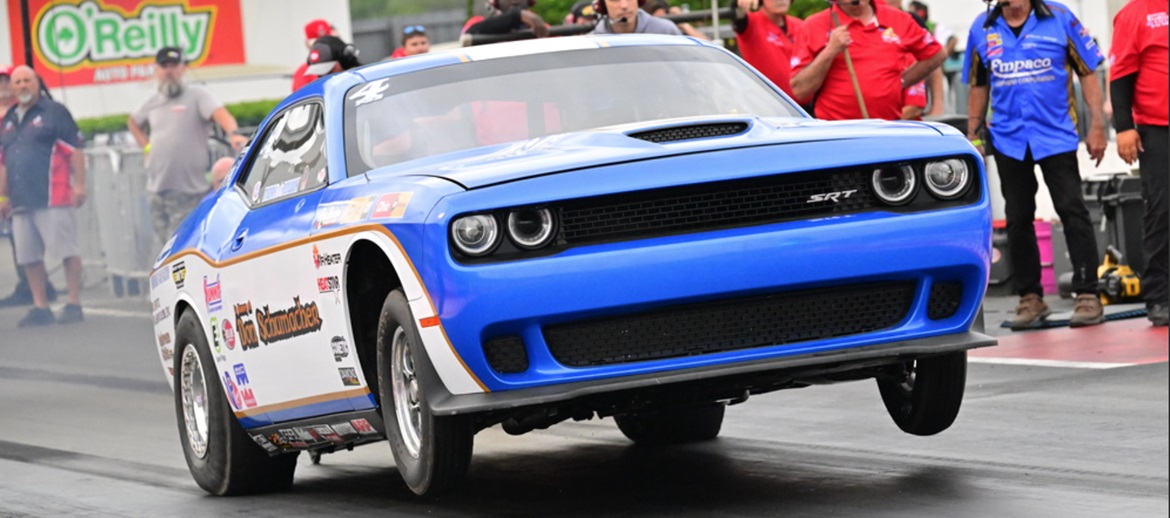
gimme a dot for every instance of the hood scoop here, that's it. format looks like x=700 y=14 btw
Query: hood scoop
x=693 y=132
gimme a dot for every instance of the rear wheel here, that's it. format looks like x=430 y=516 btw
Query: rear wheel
x=432 y=452
x=672 y=425
x=222 y=458
x=923 y=396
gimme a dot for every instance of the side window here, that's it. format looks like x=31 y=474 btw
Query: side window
x=291 y=157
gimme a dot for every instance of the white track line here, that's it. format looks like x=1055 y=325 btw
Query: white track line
x=1048 y=363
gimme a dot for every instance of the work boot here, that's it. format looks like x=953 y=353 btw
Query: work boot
x=1029 y=312
x=72 y=313
x=1087 y=312
x=37 y=317
x=1159 y=314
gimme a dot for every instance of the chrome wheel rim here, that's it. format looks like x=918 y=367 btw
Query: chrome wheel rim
x=193 y=389
x=407 y=406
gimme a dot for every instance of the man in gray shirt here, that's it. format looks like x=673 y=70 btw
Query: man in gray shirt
x=178 y=118
x=627 y=17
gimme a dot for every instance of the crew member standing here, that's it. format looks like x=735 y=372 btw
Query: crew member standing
x=878 y=38
x=1138 y=70
x=1021 y=54
x=765 y=35
x=42 y=181
x=627 y=17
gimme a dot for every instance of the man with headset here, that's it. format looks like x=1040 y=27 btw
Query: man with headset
x=1022 y=55
x=627 y=17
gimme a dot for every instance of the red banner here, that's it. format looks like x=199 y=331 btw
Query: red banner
x=82 y=42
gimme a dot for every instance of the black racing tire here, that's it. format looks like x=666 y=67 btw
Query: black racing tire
x=232 y=463
x=923 y=396
x=432 y=452
x=672 y=425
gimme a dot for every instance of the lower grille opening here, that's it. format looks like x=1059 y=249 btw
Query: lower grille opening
x=506 y=354
x=728 y=325
x=945 y=298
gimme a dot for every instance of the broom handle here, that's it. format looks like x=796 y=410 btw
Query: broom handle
x=852 y=72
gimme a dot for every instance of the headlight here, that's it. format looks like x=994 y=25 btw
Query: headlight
x=530 y=228
x=948 y=179
x=475 y=235
x=895 y=185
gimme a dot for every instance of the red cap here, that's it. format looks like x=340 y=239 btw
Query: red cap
x=317 y=28
x=5 y=70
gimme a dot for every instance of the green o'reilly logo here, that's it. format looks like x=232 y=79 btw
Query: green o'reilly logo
x=69 y=35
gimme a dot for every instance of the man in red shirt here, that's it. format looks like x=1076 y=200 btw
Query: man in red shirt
x=878 y=39
x=1138 y=72
x=765 y=35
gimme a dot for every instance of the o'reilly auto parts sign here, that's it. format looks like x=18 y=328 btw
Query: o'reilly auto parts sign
x=106 y=41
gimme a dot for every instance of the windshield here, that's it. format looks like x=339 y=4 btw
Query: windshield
x=458 y=107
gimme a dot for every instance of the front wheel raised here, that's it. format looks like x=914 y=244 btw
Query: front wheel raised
x=222 y=458
x=432 y=452
x=923 y=396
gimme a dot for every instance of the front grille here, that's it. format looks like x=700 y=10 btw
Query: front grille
x=692 y=132
x=945 y=298
x=506 y=354
x=729 y=325
x=713 y=206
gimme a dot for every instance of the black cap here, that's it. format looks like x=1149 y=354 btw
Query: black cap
x=328 y=51
x=169 y=55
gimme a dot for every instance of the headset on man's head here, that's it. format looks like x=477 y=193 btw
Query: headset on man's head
x=601 y=10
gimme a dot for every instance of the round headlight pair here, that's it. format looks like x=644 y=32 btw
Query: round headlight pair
x=945 y=179
x=478 y=235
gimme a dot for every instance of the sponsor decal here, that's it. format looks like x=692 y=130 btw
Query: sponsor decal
x=179 y=274
x=256 y=192
x=330 y=284
x=106 y=41
x=363 y=427
x=215 y=335
x=349 y=377
x=1157 y=20
x=245 y=327
x=993 y=52
x=233 y=392
x=300 y=319
x=289 y=187
x=168 y=354
x=340 y=348
x=344 y=429
x=229 y=334
x=309 y=436
x=278 y=439
x=392 y=205
x=327 y=433
x=265 y=443
x=292 y=438
x=271 y=192
x=158 y=277
x=329 y=214
x=164 y=339
x=320 y=259
x=212 y=294
x=357 y=209
x=245 y=388
x=161 y=315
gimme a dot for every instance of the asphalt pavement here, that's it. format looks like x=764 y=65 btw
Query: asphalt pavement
x=1056 y=423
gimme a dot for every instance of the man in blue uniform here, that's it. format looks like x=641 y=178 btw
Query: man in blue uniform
x=1023 y=54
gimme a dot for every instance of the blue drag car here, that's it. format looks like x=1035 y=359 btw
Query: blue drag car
x=633 y=227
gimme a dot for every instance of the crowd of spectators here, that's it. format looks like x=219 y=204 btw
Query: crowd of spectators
x=855 y=59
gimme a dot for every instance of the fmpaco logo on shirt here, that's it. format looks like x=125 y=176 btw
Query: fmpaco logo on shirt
x=1022 y=71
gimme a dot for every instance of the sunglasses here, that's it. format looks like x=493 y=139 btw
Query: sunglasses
x=413 y=29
